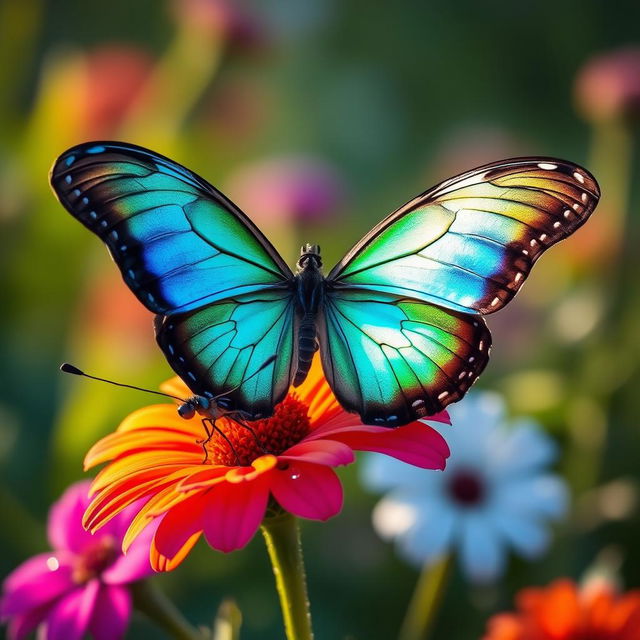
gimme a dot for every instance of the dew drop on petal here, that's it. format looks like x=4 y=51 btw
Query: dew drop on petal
x=53 y=564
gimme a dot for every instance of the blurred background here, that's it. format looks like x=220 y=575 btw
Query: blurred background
x=319 y=117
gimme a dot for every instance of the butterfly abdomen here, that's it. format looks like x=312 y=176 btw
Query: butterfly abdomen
x=307 y=346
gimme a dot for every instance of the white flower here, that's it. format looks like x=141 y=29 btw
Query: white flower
x=495 y=493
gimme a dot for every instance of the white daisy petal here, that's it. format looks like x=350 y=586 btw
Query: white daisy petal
x=382 y=473
x=482 y=552
x=428 y=513
x=528 y=537
x=430 y=537
x=392 y=518
x=539 y=496
x=523 y=449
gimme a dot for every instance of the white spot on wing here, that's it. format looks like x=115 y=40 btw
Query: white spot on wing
x=578 y=176
x=548 y=166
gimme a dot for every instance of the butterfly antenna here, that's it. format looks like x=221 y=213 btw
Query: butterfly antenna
x=263 y=366
x=69 y=368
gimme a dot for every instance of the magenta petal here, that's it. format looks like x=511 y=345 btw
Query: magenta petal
x=135 y=564
x=69 y=618
x=234 y=513
x=20 y=626
x=111 y=613
x=178 y=525
x=64 y=526
x=34 y=584
x=308 y=490
x=415 y=443
x=443 y=417
x=326 y=452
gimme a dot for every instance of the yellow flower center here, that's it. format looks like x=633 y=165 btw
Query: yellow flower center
x=287 y=426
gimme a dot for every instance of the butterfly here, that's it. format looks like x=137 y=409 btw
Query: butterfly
x=398 y=321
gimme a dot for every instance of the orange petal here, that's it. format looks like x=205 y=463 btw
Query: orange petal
x=209 y=476
x=176 y=387
x=260 y=465
x=110 y=502
x=317 y=395
x=162 y=563
x=559 y=613
x=156 y=415
x=165 y=498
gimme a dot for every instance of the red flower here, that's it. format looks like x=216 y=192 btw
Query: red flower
x=562 y=611
x=156 y=455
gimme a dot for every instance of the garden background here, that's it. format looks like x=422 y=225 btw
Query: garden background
x=377 y=101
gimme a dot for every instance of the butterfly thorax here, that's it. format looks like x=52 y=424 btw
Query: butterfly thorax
x=309 y=281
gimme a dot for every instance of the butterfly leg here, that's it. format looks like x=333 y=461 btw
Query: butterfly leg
x=210 y=431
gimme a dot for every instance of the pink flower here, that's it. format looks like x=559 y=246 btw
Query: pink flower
x=242 y=29
x=157 y=455
x=608 y=86
x=81 y=586
x=288 y=188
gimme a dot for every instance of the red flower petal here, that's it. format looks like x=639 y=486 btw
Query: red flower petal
x=327 y=452
x=179 y=525
x=234 y=512
x=415 y=443
x=308 y=490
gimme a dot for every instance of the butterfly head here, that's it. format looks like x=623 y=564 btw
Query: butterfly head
x=309 y=257
x=195 y=404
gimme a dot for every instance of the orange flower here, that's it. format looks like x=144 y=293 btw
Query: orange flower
x=562 y=611
x=157 y=455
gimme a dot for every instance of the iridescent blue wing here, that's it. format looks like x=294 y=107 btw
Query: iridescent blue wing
x=217 y=349
x=222 y=292
x=401 y=334
x=179 y=243
x=469 y=243
x=394 y=359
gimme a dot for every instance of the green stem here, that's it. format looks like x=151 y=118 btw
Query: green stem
x=148 y=599
x=425 y=602
x=282 y=536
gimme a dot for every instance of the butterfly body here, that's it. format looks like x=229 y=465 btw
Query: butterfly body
x=310 y=285
x=398 y=321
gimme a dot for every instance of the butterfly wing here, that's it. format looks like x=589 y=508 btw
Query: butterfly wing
x=179 y=243
x=393 y=360
x=469 y=243
x=218 y=348
x=402 y=334
x=222 y=292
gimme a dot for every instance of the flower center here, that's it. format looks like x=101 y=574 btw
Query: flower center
x=286 y=427
x=466 y=487
x=94 y=559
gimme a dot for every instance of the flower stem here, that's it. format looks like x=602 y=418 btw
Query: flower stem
x=148 y=599
x=426 y=599
x=282 y=536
